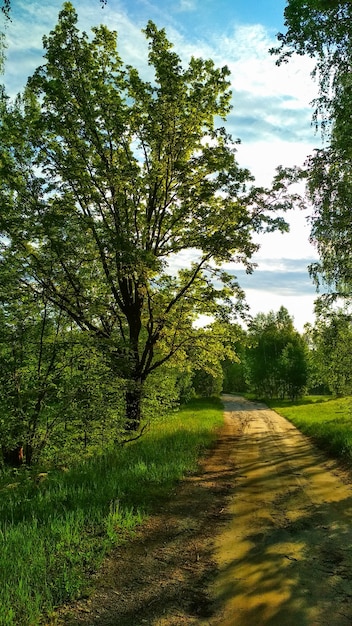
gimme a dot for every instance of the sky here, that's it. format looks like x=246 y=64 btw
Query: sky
x=271 y=112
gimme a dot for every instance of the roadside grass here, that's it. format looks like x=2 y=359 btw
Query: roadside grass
x=327 y=420
x=56 y=527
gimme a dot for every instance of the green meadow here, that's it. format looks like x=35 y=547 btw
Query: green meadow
x=56 y=526
x=327 y=420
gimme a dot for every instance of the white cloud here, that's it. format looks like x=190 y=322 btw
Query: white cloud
x=263 y=156
x=254 y=70
x=292 y=245
x=300 y=307
x=187 y=5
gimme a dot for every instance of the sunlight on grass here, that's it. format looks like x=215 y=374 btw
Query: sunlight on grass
x=327 y=420
x=55 y=532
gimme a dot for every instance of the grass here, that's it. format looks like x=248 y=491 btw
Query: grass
x=327 y=420
x=54 y=531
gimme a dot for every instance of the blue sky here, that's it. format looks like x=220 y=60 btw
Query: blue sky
x=271 y=106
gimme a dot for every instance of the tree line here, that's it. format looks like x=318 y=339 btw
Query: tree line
x=276 y=361
x=60 y=398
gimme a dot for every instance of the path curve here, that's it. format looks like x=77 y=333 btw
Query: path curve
x=284 y=556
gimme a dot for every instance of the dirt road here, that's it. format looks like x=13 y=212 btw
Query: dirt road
x=262 y=536
x=285 y=555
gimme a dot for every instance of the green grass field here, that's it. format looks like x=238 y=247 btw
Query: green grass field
x=56 y=529
x=328 y=421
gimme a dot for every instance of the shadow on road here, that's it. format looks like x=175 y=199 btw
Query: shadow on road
x=285 y=556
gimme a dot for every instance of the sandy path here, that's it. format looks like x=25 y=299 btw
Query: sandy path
x=260 y=536
x=285 y=553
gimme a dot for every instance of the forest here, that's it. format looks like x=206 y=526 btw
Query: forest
x=106 y=178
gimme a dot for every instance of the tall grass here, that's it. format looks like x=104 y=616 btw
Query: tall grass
x=328 y=421
x=54 y=531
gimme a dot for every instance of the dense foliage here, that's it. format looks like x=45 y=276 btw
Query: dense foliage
x=272 y=358
x=277 y=356
x=330 y=341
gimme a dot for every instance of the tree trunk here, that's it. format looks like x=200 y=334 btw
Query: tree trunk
x=133 y=406
x=29 y=453
x=14 y=456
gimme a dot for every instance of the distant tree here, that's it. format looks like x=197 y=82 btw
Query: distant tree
x=265 y=346
x=293 y=368
x=105 y=178
x=234 y=373
x=234 y=366
x=331 y=346
x=207 y=383
x=221 y=341
x=277 y=356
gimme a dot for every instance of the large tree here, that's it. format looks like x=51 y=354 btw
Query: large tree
x=106 y=178
x=323 y=30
